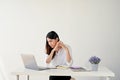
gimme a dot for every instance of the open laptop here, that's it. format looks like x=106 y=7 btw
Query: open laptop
x=30 y=62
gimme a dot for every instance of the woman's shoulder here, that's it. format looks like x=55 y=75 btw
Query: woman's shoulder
x=68 y=46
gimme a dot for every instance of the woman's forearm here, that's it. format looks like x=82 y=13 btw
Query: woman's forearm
x=68 y=56
x=49 y=58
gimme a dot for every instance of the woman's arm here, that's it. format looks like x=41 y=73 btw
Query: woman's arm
x=68 y=56
x=49 y=58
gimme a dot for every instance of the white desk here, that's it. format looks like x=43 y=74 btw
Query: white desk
x=102 y=72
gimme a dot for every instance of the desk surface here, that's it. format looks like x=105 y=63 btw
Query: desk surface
x=102 y=72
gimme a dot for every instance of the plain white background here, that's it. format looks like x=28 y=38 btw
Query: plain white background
x=90 y=27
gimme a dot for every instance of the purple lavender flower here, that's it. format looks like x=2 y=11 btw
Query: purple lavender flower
x=94 y=60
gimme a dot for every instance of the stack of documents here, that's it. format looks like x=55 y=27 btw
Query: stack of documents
x=62 y=67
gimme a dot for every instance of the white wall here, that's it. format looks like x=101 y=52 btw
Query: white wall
x=90 y=27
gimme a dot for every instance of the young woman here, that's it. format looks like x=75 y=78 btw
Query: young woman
x=58 y=53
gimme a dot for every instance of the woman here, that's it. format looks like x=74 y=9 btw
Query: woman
x=59 y=54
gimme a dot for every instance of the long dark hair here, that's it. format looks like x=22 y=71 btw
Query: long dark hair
x=51 y=35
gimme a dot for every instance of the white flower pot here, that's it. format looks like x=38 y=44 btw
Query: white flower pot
x=94 y=67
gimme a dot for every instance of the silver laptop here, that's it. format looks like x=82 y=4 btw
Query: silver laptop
x=30 y=62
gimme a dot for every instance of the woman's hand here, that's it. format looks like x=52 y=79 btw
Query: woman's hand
x=62 y=45
x=59 y=45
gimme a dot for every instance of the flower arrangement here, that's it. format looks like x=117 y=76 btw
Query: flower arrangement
x=94 y=60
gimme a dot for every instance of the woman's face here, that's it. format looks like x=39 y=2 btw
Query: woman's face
x=52 y=42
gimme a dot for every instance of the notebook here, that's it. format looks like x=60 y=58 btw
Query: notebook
x=30 y=62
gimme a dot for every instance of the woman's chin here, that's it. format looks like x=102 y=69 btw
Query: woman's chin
x=52 y=46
